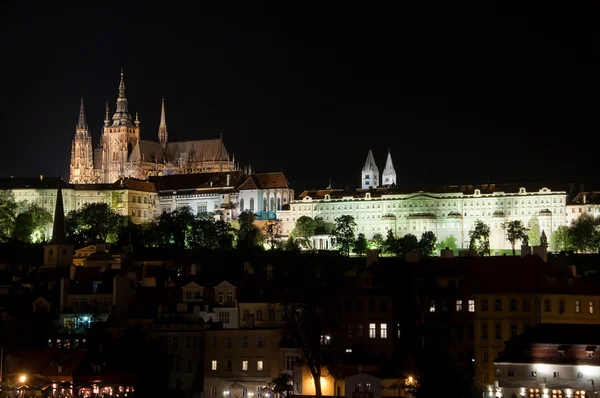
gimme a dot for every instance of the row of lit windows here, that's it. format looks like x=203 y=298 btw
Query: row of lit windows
x=470 y=305
x=260 y=365
x=260 y=342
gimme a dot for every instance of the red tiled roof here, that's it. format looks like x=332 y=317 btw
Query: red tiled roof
x=265 y=181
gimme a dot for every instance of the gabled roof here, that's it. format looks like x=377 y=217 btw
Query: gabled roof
x=196 y=151
x=191 y=285
x=265 y=181
x=225 y=284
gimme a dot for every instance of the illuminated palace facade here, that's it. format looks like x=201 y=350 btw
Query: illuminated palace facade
x=447 y=210
x=122 y=153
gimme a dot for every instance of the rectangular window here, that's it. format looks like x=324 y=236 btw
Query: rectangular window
x=259 y=315
x=383 y=330
x=230 y=297
x=259 y=365
x=484 y=331
x=244 y=366
x=458 y=305
x=577 y=306
x=290 y=360
x=224 y=317
x=513 y=331
x=591 y=307
x=245 y=342
x=213 y=391
x=229 y=365
x=372 y=330
x=485 y=376
x=498 y=305
x=245 y=314
x=213 y=364
x=214 y=342
x=561 y=306
x=359 y=330
x=260 y=342
x=484 y=305
x=513 y=305
x=191 y=342
x=228 y=342
x=547 y=306
x=202 y=207
x=527 y=305
x=471 y=305
x=190 y=366
x=557 y=374
x=511 y=373
x=498 y=331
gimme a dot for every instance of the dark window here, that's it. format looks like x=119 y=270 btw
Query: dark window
x=513 y=305
x=484 y=305
x=498 y=305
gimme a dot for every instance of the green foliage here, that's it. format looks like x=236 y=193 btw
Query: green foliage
x=8 y=215
x=449 y=242
x=343 y=231
x=376 y=242
x=479 y=238
x=322 y=227
x=406 y=244
x=584 y=233
x=427 y=243
x=291 y=244
x=534 y=232
x=560 y=240
x=303 y=230
x=389 y=246
x=40 y=218
x=360 y=244
x=515 y=230
x=272 y=232
x=93 y=221
x=543 y=239
x=24 y=227
x=282 y=385
x=248 y=234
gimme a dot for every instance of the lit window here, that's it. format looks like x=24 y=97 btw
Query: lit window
x=471 y=305
x=577 y=306
x=214 y=364
x=259 y=366
x=372 y=330
x=591 y=307
x=348 y=350
x=383 y=330
x=244 y=366
x=458 y=305
x=432 y=307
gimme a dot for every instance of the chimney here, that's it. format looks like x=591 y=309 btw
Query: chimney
x=584 y=198
x=228 y=179
x=447 y=253
x=541 y=251
x=372 y=257
x=72 y=272
x=41 y=177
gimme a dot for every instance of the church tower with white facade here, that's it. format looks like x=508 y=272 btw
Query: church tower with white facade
x=370 y=173
x=82 y=162
x=118 y=138
x=388 y=176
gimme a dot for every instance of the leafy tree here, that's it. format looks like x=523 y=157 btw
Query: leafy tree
x=390 y=242
x=248 y=234
x=560 y=240
x=40 y=218
x=515 y=230
x=8 y=215
x=322 y=227
x=273 y=231
x=360 y=244
x=377 y=242
x=534 y=232
x=479 y=238
x=406 y=244
x=303 y=230
x=93 y=221
x=282 y=385
x=584 y=234
x=177 y=228
x=343 y=231
x=427 y=243
x=291 y=244
x=449 y=242
x=24 y=227
x=543 y=239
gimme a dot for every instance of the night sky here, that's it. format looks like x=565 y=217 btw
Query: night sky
x=469 y=95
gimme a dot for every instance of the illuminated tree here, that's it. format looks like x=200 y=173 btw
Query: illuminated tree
x=479 y=238
x=560 y=240
x=449 y=242
x=390 y=242
x=343 y=230
x=93 y=221
x=360 y=244
x=273 y=232
x=515 y=230
x=40 y=218
x=534 y=232
x=8 y=215
x=303 y=230
x=282 y=385
x=543 y=239
x=248 y=234
x=376 y=242
x=406 y=244
x=584 y=233
x=427 y=243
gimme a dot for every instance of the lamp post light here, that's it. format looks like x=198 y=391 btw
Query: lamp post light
x=22 y=378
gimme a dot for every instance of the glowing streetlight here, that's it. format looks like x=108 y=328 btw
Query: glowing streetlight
x=410 y=379
x=22 y=379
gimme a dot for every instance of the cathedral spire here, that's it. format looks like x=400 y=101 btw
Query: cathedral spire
x=370 y=172
x=389 y=173
x=107 y=117
x=162 y=127
x=122 y=114
x=82 y=123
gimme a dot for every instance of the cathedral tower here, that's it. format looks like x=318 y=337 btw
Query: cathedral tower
x=82 y=162
x=370 y=173
x=118 y=138
x=162 y=127
x=389 y=173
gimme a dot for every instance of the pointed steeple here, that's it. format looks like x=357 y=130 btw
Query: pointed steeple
x=59 y=230
x=137 y=118
x=162 y=127
x=389 y=173
x=122 y=115
x=82 y=123
x=370 y=172
x=107 y=116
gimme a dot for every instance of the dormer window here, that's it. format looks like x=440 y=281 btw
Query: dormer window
x=561 y=353
x=589 y=354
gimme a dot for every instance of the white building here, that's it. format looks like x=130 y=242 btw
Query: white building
x=389 y=173
x=370 y=172
x=582 y=203
x=265 y=194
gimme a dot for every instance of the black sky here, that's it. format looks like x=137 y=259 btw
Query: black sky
x=467 y=93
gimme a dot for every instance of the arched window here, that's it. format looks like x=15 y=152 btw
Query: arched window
x=115 y=156
x=252 y=205
x=278 y=203
x=265 y=204
x=241 y=204
x=272 y=204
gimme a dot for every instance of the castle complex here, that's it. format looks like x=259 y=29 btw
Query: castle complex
x=122 y=153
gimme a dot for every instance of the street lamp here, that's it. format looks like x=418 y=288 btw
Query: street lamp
x=22 y=378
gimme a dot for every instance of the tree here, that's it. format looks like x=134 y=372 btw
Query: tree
x=406 y=244
x=376 y=242
x=273 y=232
x=93 y=221
x=427 y=243
x=282 y=385
x=360 y=244
x=515 y=230
x=304 y=230
x=40 y=218
x=389 y=245
x=248 y=234
x=479 y=238
x=8 y=215
x=291 y=244
x=583 y=233
x=322 y=227
x=343 y=231
x=560 y=240
x=534 y=232
x=543 y=239
x=23 y=227
x=449 y=242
